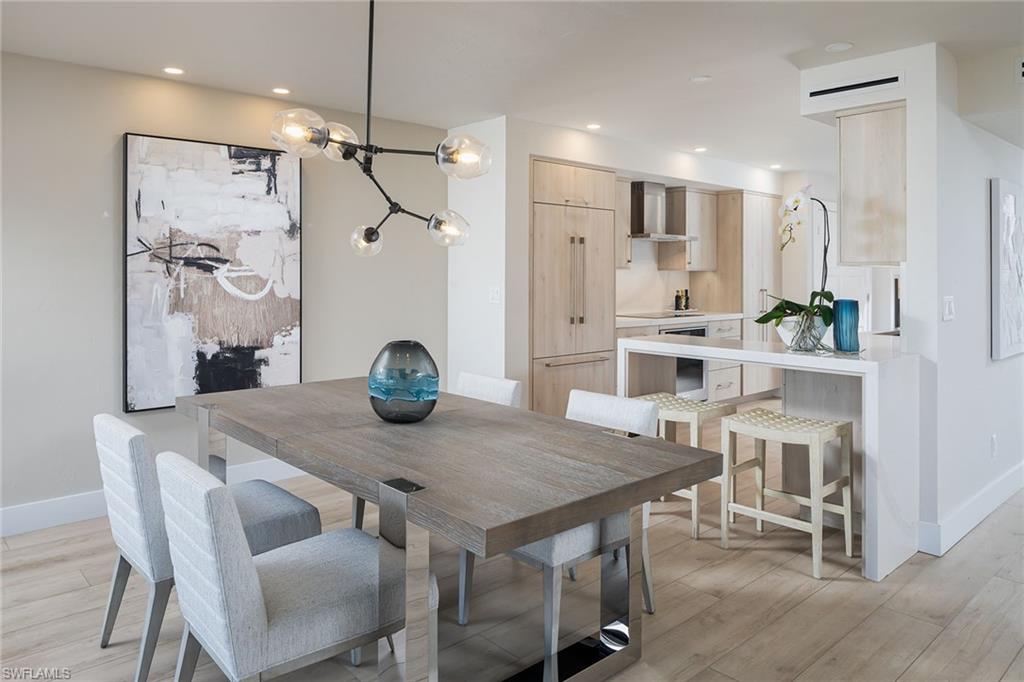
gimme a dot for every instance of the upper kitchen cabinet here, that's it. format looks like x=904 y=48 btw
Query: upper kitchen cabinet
x=693 y=213
x=565 y=185
x=623 y=244
x=873 y=186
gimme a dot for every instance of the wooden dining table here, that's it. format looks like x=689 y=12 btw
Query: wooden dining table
x=487 y=477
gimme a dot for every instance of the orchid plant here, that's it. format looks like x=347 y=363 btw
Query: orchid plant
x=816 y=316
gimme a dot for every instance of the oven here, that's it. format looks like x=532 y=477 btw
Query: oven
x=691 y=373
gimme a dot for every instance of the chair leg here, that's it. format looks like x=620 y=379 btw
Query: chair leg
x=188 y=656
x=355 y=656
x=817 y=513
x=358 y=509
x=391 y=643
x=122 y=569
x=615 y=554
x=645 y=565
x=159 y=593
x=696 y=441
x=728 y=455
x=466 y=562
x=572 y=573
x=759 y=474
x=552 y=608
x=846 y=457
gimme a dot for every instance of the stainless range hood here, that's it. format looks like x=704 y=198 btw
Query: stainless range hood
x=647 y=214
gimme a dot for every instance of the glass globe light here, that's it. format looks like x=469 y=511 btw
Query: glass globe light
x=463 y=157
x=448 y=228
x=366 y=241
x=299 y=131
x=336 y=134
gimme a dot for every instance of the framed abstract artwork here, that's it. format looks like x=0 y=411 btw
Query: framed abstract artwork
x=1007 y=208
x=212 y=269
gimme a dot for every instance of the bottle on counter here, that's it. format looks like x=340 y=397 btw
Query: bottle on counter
x=678 y=305
x=686 y=299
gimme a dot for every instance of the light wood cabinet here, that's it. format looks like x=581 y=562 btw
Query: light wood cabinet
x=724 y=384
x=567 y=185
x=623 y=213
x=595 y=323
x=873 y=186
x=554 y=378
x=628 y=332
x=695 y=213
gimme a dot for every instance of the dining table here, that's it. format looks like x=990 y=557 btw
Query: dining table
x=486 y=477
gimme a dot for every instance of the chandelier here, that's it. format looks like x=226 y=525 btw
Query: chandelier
x=305 y=133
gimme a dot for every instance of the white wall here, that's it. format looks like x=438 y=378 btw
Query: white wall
x=978 y=398
x=990 y=94
x=526 y=138
x=476 y=270
x=62 y=252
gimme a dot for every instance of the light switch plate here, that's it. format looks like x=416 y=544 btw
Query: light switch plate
x=948 y=308
x=494 y=295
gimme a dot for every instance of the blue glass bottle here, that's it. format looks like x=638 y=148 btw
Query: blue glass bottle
x=403 y=382
x=846 y=322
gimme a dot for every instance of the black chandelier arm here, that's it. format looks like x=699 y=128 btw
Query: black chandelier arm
x=408 y=152
x=387 y=197
x=414 y=215
x=369 y=79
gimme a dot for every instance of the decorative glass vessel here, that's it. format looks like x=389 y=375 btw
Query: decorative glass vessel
x=847 y=321
x=802 y=332
x=403 y=382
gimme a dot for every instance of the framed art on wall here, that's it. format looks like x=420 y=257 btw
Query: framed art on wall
x=212 y=269
x=1007 y=269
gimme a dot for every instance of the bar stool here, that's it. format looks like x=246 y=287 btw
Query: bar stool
x=764 y=425
x=673 y=409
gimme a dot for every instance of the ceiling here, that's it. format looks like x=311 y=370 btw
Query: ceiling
x=626 y=65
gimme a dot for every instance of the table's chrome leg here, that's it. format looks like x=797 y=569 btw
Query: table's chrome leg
x=212 y=447
x=405 y=558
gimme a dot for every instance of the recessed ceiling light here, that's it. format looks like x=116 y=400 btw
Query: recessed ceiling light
x=282 y=91
x=775 y=166
x=593 y=126
x=841 y=46
x=703 y=78
x=173 y=70
x=700 y=150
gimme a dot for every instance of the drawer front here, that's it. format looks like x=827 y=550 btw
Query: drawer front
x=553 y=378
x=626 y=332
x=724 y=383
x=715 y=365
x=724 y=329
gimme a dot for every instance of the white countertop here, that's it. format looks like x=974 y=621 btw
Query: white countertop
x=623 y=320
x=875 y=350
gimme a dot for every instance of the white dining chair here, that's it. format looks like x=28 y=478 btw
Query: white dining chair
x=262 y=616
x=568 y=548
x=493 y=390
x=272 y=517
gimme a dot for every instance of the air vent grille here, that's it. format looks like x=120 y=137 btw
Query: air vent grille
x=851 y=87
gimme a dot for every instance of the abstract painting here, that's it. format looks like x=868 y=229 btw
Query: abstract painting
x=212 y=269
x=1007 y=269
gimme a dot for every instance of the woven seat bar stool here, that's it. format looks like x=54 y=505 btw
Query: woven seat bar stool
x=764 y=425
x=673 y=409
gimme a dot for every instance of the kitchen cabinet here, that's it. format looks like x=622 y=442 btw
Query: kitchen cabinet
x=554 y=378
x=567 y=185
x=691 y=212
x=873 y=186
x=724 y=384
x=623 y=244
x=572 y=291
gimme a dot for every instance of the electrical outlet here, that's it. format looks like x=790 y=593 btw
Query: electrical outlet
x=995 y=446
x=948 y=309
x=494 y=295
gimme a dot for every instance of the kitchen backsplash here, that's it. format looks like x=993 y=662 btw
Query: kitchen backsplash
x=642 y=287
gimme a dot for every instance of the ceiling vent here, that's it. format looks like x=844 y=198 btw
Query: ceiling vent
x=883 y=82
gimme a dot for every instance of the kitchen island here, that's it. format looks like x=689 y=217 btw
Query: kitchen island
x=877 y=390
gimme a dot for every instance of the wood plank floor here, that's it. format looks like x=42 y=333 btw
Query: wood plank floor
x=750 y=613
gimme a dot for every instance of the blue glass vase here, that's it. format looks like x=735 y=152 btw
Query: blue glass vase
x=403 y=382
x=846 y=322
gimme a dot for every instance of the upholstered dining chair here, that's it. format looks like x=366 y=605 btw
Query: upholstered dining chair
x=271 y=517
x=493 y=390
x=568 y=548
x=262 y=616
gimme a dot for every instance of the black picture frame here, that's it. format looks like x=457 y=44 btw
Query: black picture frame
x=126 y=407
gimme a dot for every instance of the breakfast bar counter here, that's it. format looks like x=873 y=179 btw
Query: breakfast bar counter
x=876 y=389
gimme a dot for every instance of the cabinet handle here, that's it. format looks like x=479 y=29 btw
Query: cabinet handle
x=583 y=280
x=722 y=387
x=572 y=279
x=603 y=358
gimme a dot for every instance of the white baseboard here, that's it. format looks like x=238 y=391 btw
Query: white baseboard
x=939 y=538
x=24 y=518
